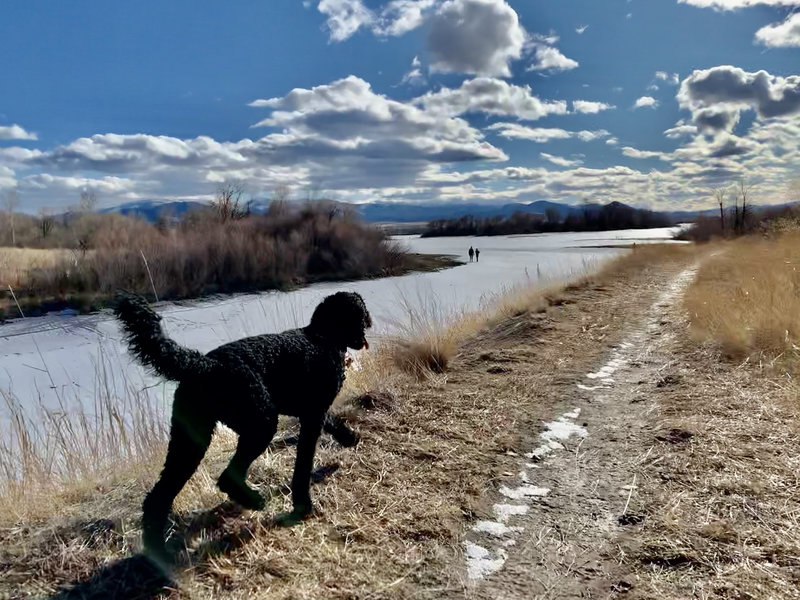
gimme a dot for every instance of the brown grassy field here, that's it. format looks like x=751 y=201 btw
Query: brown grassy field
x=746 y=299
x=17 y=264
x=390 y=498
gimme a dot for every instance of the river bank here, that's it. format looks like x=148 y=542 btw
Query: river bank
x=64 y=362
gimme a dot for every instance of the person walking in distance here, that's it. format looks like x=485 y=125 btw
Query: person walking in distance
x=471 y=253
x=477 y=255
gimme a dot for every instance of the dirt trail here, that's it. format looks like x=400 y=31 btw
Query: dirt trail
x=555 y=522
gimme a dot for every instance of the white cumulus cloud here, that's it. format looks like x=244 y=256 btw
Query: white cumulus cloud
x=479 y=37
x=345 y=17
x=736 y=4
x=645 y=102
x=515 y=131
x=636 y=153
x=401 y=16
x=671 y=78
x=590 y=107
x=491 y=96
x=15 y=132
x=550 y=58
x=560 y=161
x=716 y=96
x=781 y=35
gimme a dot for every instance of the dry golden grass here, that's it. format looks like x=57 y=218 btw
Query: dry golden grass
x=746 y=299
x=720 y=500
x=429 y=335
x=646 y=256
x=400 y=510
x=16 y=264
x=49 y=456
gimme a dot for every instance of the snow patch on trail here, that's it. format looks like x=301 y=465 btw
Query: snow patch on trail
x=562 y=429
x=494 y=528
x=504 y=511
x=481 y=561
x=524 y=491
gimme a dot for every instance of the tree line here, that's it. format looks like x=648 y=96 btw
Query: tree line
x=589 y=218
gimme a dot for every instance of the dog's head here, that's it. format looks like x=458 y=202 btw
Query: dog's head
x=342 y=319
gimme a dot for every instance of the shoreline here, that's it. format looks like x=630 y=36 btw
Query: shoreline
x=417 y=263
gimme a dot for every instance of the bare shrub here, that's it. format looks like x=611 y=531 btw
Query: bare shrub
x=208 y=254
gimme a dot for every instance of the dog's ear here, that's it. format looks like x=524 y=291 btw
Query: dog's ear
x=342 y=318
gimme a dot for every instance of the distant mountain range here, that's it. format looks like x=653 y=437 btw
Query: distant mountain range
x=395 y=212
x=152 y=209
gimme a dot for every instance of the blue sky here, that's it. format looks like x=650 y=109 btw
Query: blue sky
x=650 y=102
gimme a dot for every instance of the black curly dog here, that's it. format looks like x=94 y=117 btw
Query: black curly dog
x=245 y=385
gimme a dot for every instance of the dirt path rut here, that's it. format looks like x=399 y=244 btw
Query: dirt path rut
x=555 y=521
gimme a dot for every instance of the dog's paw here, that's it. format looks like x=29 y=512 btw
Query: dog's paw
x=300 y=513
x=347 y=437
x=319 y=474
x=242 y=494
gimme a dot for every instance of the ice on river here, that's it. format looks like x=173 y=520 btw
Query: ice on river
x=74 y=357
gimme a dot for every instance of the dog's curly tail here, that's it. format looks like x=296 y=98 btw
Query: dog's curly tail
x=146 y=340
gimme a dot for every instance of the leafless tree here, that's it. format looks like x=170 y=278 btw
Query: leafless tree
x=228 y=202
x=279 y=203
x=719 y=196
x=313 y=193
x=741 y=194
x=88 y=201
x=46 y=222
x=10 y=203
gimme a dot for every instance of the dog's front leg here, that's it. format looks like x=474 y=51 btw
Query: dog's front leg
x=310 y=429
x=338 y=428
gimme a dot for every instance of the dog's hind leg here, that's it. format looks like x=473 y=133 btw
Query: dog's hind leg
x=189 y=440
x=233 y=481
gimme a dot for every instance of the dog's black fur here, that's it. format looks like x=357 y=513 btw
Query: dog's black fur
x=245 y=385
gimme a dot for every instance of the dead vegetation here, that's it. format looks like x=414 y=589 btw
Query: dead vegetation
x=746 y=300
x=223 y=249
x=718 y=486
x=16 y=264
x=391 y=511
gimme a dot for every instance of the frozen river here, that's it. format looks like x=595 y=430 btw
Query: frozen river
x=68 y=359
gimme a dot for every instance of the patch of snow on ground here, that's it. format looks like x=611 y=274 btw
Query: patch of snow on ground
x=589 y=388
x=480 y=562
x=504 y=511
x=494 y=528
x=524 y=491
x=562 y=429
